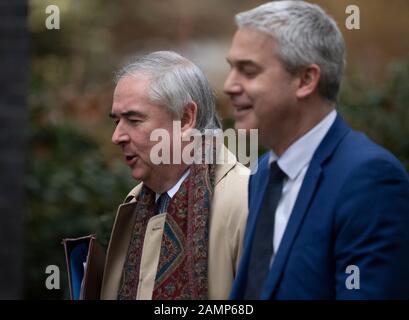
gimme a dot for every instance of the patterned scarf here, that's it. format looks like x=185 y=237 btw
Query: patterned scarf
x=182 y=269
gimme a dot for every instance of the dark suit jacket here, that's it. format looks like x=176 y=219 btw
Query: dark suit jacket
x=352 y=210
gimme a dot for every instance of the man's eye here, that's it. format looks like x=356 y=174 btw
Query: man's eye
x=249 y=72
x=134 y=121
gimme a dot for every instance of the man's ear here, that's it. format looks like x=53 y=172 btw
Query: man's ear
x=309 y=78
x=188 y=120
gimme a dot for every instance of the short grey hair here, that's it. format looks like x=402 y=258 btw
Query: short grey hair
x=305 y=35
x=174 y=83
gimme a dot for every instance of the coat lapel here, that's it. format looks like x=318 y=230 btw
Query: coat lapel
x=311 y=181
x=259 y=185
x=225 y=162
x=118 y=248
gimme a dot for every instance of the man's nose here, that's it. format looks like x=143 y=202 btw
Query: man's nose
x=232 y=85
x=120 y=135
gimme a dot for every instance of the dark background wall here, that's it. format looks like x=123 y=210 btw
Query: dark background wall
x=13 y=88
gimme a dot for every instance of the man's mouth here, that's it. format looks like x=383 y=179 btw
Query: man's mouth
x=130 y=159
x=241 y=109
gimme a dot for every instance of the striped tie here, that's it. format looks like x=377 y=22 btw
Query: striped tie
x=162 y=203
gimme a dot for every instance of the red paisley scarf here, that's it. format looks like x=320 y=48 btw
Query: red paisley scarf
x=182 y=270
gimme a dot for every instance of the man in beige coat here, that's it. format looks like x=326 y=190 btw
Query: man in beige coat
x=178 y=235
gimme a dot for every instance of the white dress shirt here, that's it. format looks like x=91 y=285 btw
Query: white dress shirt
x=294 y=162
x=172 y=191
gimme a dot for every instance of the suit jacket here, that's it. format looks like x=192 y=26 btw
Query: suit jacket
x=227 y=223
x=352 y=210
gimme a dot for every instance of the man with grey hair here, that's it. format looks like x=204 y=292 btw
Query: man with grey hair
x=328 y=208
x=178 y=234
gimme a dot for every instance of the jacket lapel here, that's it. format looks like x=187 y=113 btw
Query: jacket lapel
x=258 y=184
x=225 y=162
x=311 y=181
x=257 y=187
x=118 y=248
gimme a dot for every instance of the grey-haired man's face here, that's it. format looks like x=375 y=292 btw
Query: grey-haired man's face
x=136 y=117
x=261 y=91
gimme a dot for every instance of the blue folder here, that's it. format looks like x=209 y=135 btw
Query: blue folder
x=85 y=265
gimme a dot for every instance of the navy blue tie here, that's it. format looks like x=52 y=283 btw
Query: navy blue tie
x=262 y=248
x=162 y=203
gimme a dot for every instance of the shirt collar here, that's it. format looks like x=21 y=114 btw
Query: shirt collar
x=300 y=153
x=172 y=191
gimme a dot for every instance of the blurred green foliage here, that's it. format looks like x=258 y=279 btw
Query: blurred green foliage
x=381 y=111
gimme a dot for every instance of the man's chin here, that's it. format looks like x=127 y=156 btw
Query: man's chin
x=138 y=174
x=243 y=125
